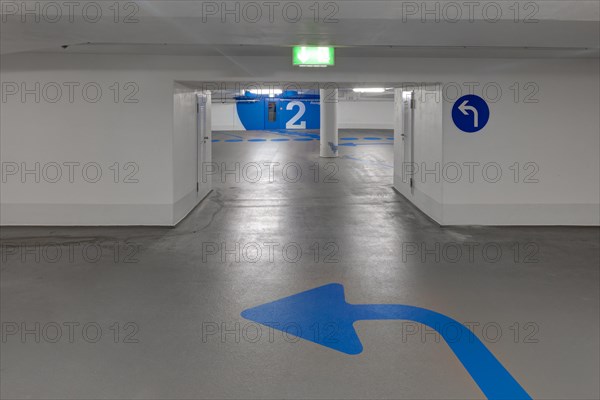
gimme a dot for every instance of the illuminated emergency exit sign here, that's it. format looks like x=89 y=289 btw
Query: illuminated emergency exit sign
x=309 y=56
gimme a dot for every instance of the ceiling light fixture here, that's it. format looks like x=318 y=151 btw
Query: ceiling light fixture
x=368 y=90
x=266 y=91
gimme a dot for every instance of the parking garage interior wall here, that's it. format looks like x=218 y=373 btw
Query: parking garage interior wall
x=225 y=117
x=535 y=162
x=552 y=132
x=185 y=154
x=352 y=115
x=426 y=193
x=115 y=133
x=366 y=114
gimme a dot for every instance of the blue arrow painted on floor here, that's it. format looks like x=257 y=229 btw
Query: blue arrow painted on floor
x=326 y=306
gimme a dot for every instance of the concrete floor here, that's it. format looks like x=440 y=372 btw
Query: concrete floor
x=169 y=305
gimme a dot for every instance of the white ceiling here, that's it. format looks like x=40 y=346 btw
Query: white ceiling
x=343 y=51
x=364 y=28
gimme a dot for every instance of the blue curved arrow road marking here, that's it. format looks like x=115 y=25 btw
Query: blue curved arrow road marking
x=326 y=306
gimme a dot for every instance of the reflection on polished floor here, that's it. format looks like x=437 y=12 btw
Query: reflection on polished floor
x=155 y=312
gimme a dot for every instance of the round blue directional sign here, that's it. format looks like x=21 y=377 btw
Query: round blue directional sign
x=470 y=113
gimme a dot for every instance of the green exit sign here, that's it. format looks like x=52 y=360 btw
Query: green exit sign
x=309 y=56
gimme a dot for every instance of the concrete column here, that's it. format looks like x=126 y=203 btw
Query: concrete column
x=329 y=123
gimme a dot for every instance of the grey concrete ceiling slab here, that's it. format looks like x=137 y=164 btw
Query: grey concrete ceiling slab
x=187 y=27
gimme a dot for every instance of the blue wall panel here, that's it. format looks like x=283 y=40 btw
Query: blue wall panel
x=293 y=111
x=251 y=113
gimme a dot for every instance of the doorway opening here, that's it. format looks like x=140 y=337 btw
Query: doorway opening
x=384 y=134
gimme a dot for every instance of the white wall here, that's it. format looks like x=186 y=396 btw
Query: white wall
x=104 y=132
x=560 y=133
x=225 y=117
x=545 y=151
x=366 y=114
x=427 y=131
x=559 y=137
x=185 y=151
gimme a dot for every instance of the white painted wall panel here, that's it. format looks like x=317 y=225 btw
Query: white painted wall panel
x=225 y=117
x=427 y=132
x=560 y=133
x=103 y=132
x=366 y=114
x=185 y=154
x=553 y=144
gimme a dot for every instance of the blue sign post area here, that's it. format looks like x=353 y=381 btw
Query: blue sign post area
x=470 y=113
x=326 y=306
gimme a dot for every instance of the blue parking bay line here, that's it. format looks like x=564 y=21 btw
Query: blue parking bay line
x=372 y=138
x=257 y=140
x=233 y=140
x=280 y=140
x=349 y=138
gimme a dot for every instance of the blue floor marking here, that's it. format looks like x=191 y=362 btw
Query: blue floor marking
x=287 y=132
x=326 y=306
x=301 y=137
